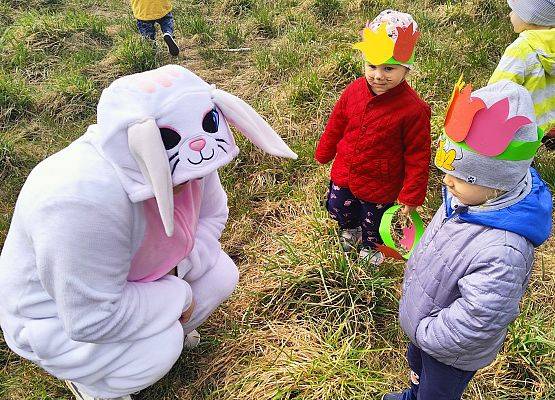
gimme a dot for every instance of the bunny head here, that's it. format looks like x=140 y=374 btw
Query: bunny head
x=164 y=127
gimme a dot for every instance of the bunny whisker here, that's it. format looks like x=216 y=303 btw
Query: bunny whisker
x=221 y=147
x=175 y=165
x=221 y=140
x=175 y=155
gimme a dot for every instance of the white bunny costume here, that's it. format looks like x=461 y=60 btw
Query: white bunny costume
x=84 y=290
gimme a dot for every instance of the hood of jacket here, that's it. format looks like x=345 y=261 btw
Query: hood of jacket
x=529 y=217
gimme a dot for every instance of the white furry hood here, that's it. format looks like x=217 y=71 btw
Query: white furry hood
x=164 y=127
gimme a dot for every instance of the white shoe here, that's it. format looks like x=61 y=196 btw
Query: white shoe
x=192 y=340
x=81 y=395
x=350 y=238
x=370 y=256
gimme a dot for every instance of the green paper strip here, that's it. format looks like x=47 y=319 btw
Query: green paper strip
x=385 y=229
x=394 y=61
x=517 y=150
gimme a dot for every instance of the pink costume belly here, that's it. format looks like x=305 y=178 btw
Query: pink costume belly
x=158 y=254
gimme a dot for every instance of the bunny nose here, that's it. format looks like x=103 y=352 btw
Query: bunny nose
x=197 y=145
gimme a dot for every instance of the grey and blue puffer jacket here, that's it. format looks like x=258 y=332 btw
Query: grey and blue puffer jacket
x=464 y=281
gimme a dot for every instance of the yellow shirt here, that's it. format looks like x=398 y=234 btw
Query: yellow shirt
x=149 y=10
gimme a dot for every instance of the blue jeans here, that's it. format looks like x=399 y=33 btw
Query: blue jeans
x=351 y=212
x=435 y=380
x=148 y=30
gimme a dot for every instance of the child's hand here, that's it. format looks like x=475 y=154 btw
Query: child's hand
x=406 y=210
x=187 y=313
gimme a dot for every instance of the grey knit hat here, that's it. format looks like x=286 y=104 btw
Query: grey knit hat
x=537 y=12
x=479 y=169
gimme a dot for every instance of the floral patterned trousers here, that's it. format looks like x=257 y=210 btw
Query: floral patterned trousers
x=351 y=212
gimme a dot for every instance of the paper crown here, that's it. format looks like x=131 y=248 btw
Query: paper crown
x=378 y=48
x=488 y=131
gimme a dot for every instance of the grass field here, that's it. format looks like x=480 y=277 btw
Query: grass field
x=305 y=323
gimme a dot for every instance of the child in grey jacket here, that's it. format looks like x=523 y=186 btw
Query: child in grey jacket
x=465 y=279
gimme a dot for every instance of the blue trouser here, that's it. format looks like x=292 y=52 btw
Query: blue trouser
x=436 y=381
x=148 y=30
x=351 y=212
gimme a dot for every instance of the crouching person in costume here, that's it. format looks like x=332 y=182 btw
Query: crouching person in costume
x=87 y=290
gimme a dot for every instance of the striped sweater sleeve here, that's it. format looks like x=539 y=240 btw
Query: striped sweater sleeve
x=522 y=64
x=512 y=65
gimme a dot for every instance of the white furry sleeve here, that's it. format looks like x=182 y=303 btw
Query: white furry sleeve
x=83 y=259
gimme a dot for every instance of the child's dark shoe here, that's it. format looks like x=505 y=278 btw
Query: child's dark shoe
x=172 y=46
x=392 y=396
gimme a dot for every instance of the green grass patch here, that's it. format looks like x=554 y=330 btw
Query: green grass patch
x=306 y=90
x=319 y=282
x=295 y=361
x=11 y=161
x=545 y=164
x=280 y=61
x=16 y=97
x=303 y=31
x=70 y=96
x=238 y=7
x=264 y=18
x=234 y=35
x=198 y=26
x=134 y=54
x=531 y=344
x=33 y=4
x=327 y=10
x=39 y=41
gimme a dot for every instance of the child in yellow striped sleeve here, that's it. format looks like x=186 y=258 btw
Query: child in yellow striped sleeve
x=530 y=59
x=148 y=12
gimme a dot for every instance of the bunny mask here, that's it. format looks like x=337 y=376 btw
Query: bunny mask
x=167 y=126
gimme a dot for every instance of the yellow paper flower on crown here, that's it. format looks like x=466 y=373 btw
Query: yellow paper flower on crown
x=377 y=47
x=444 y=159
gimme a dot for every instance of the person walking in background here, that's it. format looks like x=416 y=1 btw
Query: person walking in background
x=530 y=59
x=379 y=136
x=149 y=12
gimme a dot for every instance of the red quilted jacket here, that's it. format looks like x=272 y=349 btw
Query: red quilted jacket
x=381 y=144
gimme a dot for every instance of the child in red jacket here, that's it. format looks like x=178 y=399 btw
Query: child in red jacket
x=379 y=135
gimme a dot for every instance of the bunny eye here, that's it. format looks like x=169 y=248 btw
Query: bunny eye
x=170 y=138
x=211 y=121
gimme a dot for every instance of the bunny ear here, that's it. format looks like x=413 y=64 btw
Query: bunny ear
x=147 y=148
x=251 y=124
